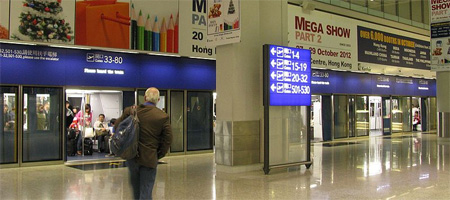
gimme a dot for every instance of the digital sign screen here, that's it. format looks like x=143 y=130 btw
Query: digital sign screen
x=288 y=76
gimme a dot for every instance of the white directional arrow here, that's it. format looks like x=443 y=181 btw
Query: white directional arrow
x=273 y=51
x=273 y=87
x=273 y=63
x=273 y=75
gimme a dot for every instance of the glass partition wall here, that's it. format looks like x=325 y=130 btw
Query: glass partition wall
x=8 y=129
x=191 y=118
x=362 y=116
x=401 y=114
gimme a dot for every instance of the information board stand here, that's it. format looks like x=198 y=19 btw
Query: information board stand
x=287 y=82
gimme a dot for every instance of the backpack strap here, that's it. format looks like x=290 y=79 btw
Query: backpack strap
x=133 y=111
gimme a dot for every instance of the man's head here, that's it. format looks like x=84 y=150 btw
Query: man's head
x=67 y=104
x=152 y=95
x=101 y=117
x=5 y=108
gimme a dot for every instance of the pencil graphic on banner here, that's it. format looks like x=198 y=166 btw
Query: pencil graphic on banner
x=155 y=35
x=175 y=35
x=133 y=28
x=148 y=35
x=170 y=35
x=163 y=36
x=140 y=31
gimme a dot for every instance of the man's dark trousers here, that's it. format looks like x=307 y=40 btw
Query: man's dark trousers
x=142 y=179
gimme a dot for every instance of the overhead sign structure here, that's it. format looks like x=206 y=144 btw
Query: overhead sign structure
x=288 y=75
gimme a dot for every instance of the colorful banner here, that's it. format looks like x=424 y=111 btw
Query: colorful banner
x=169 y=26
x=50 y=21
x=4 y=19
x=440 y=35
x=336 y=43
x=224 y=22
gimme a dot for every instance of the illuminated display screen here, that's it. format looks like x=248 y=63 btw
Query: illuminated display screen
x=289 y=76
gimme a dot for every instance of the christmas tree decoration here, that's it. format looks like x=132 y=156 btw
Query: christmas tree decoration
x=42 y=20
x=231 y=8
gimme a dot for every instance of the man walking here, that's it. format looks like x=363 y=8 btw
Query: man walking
x=155 y=137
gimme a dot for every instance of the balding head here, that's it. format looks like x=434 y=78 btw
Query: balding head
x=152 y=95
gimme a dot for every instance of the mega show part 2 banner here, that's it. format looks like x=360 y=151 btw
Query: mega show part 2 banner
x=337 y=42
x=169 y=26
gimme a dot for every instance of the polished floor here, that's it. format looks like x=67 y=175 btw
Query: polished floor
x=404 y=166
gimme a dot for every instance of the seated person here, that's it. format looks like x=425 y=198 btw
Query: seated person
x=416 y=120
x=101 y=130
x=111 y=123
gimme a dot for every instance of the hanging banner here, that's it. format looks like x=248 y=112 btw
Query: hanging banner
x=170 y=26
x=193 y=30
x=440 y=35
x=223 y=22
x=338 y=42
x=50 y=21
x=4 y=19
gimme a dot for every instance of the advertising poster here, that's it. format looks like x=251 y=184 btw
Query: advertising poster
x=4 y=19
x=43 y=21
x=330 y=39
x=154 y=25
x=342 y=43
x=193 y=29
x=103 y=23
x=223 y=22
x=440 y=35
x=384 y=48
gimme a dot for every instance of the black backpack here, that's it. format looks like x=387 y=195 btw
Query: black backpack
x=125 y=141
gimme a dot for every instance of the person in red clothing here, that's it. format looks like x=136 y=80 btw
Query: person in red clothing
x=416 y=120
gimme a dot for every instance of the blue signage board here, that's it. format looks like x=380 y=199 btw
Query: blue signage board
x=38 y=65
x=328 y=81
x=288 y=76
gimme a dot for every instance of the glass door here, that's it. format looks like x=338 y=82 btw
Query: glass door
x=433 y=114
x=42 y=124
x=8 y=128
x=416 y=113
x=316 y=117
x=375 y=115
x=199 y=121
x=351 y=116
x=340 y=113
x=401 y=114
x=386 y=112
x=177 y=121
x=362 y=116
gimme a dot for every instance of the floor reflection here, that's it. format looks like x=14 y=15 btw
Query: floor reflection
x=405 y=166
